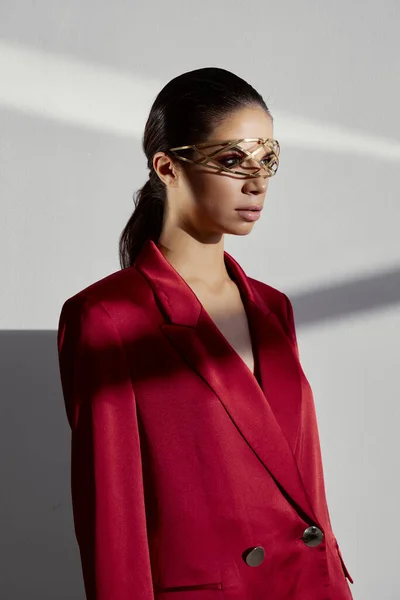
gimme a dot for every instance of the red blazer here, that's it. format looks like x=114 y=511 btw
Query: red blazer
x=192 y=478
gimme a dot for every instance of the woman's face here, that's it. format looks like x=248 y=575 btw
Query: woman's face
x=206 y=200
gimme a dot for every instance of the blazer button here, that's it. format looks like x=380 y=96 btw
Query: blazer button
x=313 y=536
x=254 y=556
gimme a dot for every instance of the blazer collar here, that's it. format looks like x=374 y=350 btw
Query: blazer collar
x=268 y=414
x=179 y=302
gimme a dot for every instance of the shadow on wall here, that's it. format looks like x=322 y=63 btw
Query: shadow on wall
x=349 y=298
x=38 y=554
x=40 y=558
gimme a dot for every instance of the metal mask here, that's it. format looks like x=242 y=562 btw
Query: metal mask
x=269 y=161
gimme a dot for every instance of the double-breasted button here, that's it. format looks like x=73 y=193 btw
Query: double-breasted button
x=254 y=556
x=312 y=536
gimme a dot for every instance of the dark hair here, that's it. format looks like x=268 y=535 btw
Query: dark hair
x=185 y=112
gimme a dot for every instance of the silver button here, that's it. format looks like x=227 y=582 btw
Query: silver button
x=313 y=536
x=254 y=556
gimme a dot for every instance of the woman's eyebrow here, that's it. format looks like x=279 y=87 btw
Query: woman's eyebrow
x=238 y=148
x=243 y=151
x=227 y=147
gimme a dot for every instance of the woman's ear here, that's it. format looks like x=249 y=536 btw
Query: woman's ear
x=166 y=169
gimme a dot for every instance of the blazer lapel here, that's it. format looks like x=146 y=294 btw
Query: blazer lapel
x=267 y=415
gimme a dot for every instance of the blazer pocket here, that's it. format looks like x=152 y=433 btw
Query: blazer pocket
x=190 y=588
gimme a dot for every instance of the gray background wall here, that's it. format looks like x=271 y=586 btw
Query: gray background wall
x=76 y=82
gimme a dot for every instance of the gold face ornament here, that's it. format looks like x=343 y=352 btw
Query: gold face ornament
x=267 y=148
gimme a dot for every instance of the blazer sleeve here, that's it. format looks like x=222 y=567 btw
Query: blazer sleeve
x=291 y=328
x=292 y=333
x=106 y=469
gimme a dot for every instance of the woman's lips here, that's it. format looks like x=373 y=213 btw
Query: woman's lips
x=249 y=215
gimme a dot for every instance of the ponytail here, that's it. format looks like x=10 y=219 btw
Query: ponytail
x=145 y=222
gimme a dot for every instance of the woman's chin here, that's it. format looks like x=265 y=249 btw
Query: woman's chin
x=243 y=229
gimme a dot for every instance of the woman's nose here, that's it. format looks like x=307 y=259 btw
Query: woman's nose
x=255 y=186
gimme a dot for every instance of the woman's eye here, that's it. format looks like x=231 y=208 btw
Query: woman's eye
x=231 y=161
x=266 y=159
x=234 y=160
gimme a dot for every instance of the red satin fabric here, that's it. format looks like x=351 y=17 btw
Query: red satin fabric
x=182 y=459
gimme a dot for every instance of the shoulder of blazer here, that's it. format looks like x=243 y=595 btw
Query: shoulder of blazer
x=111 y=291
x=278 y=302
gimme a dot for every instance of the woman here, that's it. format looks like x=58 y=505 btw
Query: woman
x=196 y=465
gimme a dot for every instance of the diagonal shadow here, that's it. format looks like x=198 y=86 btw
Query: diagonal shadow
x=20 y=64
x=364 y=294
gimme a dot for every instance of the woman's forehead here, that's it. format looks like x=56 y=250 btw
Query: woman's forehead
x=236 y=143
x=248 y=121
